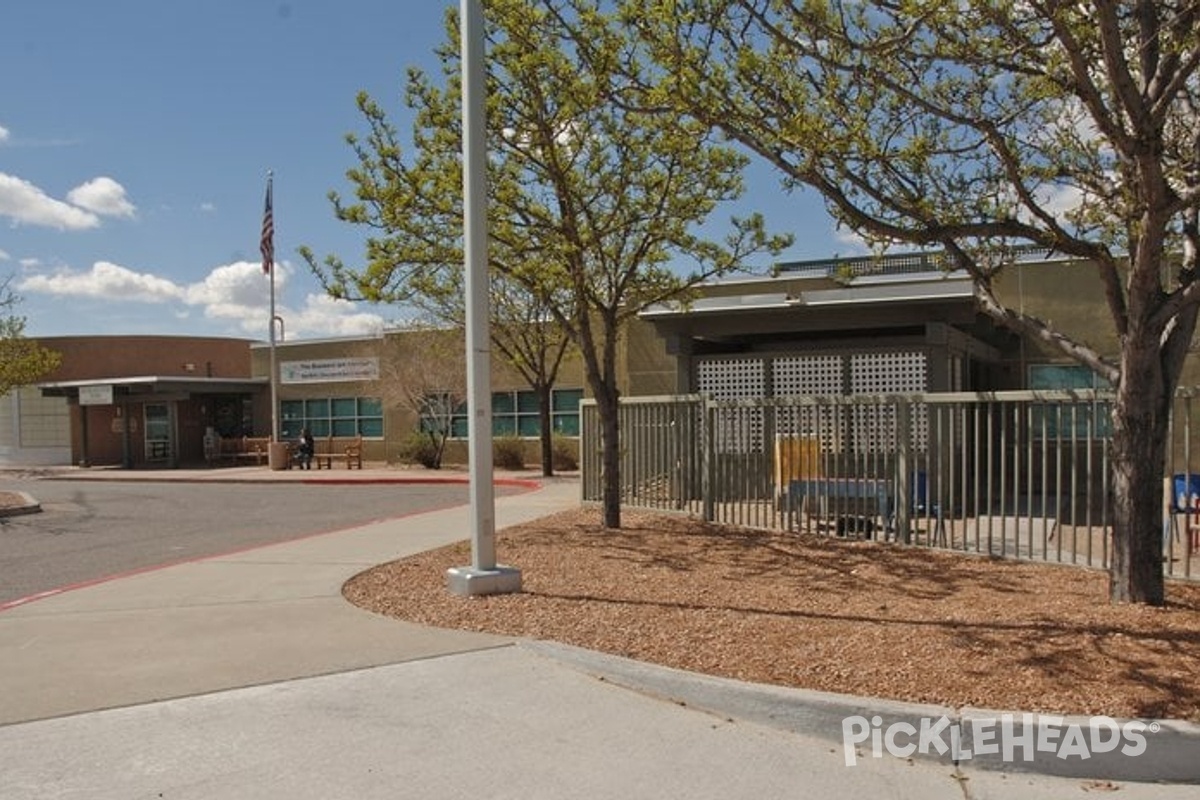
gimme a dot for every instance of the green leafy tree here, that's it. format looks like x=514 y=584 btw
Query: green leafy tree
x=22 y=360
x=592 y=204
x=977 y=126
x=534 y=343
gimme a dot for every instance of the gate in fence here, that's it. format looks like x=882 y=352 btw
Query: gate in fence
x=1011 y=474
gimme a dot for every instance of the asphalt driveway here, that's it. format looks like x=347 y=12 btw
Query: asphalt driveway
x=93 y=529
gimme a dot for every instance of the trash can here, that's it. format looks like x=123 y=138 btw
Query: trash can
x=277 y=455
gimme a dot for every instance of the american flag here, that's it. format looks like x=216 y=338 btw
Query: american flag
x=267 y=245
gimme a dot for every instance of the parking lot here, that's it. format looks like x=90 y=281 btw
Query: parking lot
x=91 y=529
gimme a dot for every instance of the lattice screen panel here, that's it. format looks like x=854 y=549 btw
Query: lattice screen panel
x=887 y=373
x=795 y=375
x=732 y=379
x=863 y=428
x=737 y=430
x=810 y=375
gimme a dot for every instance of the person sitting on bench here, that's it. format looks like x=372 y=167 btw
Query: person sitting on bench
x=305 y=449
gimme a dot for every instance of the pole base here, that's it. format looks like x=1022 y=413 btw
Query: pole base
x=469 y=581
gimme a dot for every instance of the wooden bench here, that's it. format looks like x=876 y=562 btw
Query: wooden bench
x=347 y=449
x=235 y=449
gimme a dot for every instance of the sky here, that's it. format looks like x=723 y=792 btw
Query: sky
x=135 y=141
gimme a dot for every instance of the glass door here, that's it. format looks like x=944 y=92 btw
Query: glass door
x=159 y=429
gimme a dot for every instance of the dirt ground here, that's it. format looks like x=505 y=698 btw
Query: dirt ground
x=841 y=616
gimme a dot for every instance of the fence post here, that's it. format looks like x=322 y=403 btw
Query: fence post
x=708 y=460
x=903 y=498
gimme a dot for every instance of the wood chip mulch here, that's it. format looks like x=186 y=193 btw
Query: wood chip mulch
x=842 y=616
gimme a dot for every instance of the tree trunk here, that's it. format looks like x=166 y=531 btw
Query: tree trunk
x=610 y=459
x=547 y=437
x=1141 y=413
x=439 y=449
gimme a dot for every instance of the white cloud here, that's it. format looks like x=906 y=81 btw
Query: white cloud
x=851 y=240
x=22 y=202
x=4 y=256
x=327 y=316
x=4 y=134
x=105 y=281
x=237 y=294
x=240 y=293
x=102 y=196
x=1059 y=200
x=241 y=284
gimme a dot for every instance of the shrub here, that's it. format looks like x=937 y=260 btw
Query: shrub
x=564 y=453
x=508 y=452
x=418 y=448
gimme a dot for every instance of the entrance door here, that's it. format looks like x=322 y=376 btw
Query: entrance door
x=160 y=427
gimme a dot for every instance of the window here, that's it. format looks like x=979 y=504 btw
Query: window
x=564 y=411
x=332 y=416
x=516 y=414
x=436 y=413
x=1051 y=420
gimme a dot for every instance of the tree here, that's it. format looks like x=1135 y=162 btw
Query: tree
x=521 y=327
x=531 y=340
x=977 y=126
x=591 y=202
x=22 y=361
x=425 y=373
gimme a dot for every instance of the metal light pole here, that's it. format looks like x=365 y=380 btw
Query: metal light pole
x=484 y=576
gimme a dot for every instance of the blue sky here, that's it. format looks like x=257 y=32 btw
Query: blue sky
x=135 y=140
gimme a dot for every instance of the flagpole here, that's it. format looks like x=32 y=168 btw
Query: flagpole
x=484 y=576
x=267 y=246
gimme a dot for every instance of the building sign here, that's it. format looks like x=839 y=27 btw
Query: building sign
x=101 y=395
x=329 y=370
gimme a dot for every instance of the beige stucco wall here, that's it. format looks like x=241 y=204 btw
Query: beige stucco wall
x=645 y=366
x=1067 y=295
x=398 y=421
x=1071 y=297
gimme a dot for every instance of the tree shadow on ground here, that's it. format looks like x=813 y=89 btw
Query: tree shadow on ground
x=802 y=562
x=1044 y=624
x=892 y=621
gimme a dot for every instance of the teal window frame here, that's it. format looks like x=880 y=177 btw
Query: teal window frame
x=515 y=413
x=332 y=416
x=1065 y=420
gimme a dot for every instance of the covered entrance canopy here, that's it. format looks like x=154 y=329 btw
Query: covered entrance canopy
x=889 y=333
x=154 y=420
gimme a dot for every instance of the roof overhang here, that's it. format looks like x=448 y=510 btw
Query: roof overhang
x=862 y=306
x=151 y=386
x=883 y=293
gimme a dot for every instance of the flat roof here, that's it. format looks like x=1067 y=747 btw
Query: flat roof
x=948 y=287
x=157 y=383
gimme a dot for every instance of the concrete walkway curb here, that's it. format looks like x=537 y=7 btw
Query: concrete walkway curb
x=1169 y=755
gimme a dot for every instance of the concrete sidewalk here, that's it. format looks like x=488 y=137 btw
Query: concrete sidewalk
x=248 y=675
x=266 y=614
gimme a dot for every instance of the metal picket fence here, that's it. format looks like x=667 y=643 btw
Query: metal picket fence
x=1011 y=474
